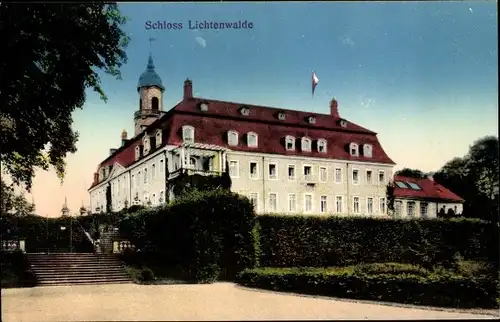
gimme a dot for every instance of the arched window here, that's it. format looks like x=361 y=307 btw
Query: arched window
x=289 y=143
x=188 y=134
x=232 y=138
x=306 y=144
x=154 y=103
x=367 y=150
x=140 y=103
x=354 y=149
x=192 y=162
x=322 y=145
x=252 y=139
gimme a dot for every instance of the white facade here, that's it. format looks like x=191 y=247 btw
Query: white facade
x=415 y=208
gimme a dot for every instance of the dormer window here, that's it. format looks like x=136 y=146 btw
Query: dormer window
x=137 y=152
x=281 y=116
x=354 y=150
x=188 y=134
x=306 y=144
x=290 y=143
x=158 y=138
x=367 y=150
x=343 y=123
x=245 y=111
x=203 y=107
x=252 y=139
x=311 y=120
x=322 y=145
x=146 y=144
x=232 y=138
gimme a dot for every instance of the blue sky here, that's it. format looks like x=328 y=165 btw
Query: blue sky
x=422 y=75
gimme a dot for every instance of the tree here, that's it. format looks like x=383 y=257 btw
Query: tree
x=391 y=198
x=411 y=173
x=475 y=178
x=50 y=54
x=14 y=203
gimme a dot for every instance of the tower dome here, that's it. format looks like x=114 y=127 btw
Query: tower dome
x=150 y=77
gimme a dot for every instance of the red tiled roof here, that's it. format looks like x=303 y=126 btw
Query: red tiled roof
x=429 y=190
x=211 y=127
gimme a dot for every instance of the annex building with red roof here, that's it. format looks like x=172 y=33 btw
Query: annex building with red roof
x=285 y=161
x=424 y=198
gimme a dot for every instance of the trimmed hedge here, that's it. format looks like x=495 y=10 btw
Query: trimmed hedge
x=400 y=283
x=203 y=235
x=16 y=270
x=314 y=241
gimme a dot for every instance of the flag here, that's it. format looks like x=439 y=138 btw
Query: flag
x=315 y=81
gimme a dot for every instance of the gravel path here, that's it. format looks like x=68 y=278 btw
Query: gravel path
x=219 y=301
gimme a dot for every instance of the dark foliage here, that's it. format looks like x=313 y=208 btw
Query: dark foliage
x=15 y=270
x=108 y=199
x=411 y=173
x=294 y=241
x=396 y=283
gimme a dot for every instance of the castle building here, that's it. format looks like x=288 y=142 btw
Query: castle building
x=285 y=161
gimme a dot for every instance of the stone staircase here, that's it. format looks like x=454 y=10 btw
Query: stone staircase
x=77 y=268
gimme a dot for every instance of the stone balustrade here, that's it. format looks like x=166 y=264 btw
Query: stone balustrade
x=120 y=245
x=13 y=245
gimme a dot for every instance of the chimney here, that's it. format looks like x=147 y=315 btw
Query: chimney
x=96 y=177
x=430 y=177
x=334 y=109
x=111 y=151
x=124 y=137
x=188 y=89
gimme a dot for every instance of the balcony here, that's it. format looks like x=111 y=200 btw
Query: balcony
x=147 y=113
x=193 y=171
x=309 y=179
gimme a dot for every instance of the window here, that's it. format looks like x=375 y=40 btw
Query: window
x=145 y=175
x=338 y=204
x=322 y=204
x=367 y=150
x=153 y=199
x=353 y=149
x=254 y=170
x=162 y=197
x=188 y=134
x=322 y=145
x=323 y=174
x=162 y=166
x=410 y=207
x=158 y=138
x=397 y=208
x=369 y=177
x=118 y=188
x=355 y=205
x=273 y=202
x=381 y=177
x=232 y=138
x=306 y=145
x=308 y=203
x=307 y=172
x=423 y=209
x=252 y=140
x=273 y=171
x=234 y=169
x=289 y=143
x=291 y=172
x=369 y=205
x=414 y=186
x=254 y=199
x=192 y=162
x=401 y=185
x=355 y=176
x=381 y=205
x=338 y=175
x=292 y=203
x=154 y=103
x=133 y=181
x=146 y=144
x=137 y=152
x=153 y=171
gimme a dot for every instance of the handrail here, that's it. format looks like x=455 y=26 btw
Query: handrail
x=87 y=234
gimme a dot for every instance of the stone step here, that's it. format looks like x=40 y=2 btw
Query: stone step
x=84 y=282
x=97 y=270
x=81 y=277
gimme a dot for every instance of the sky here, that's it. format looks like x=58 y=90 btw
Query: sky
x=423 y=75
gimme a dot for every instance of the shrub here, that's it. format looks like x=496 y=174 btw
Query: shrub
x=291 y=241
x=16 y=270
x=146 y=275
x=205 y=235
x=432 y=289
